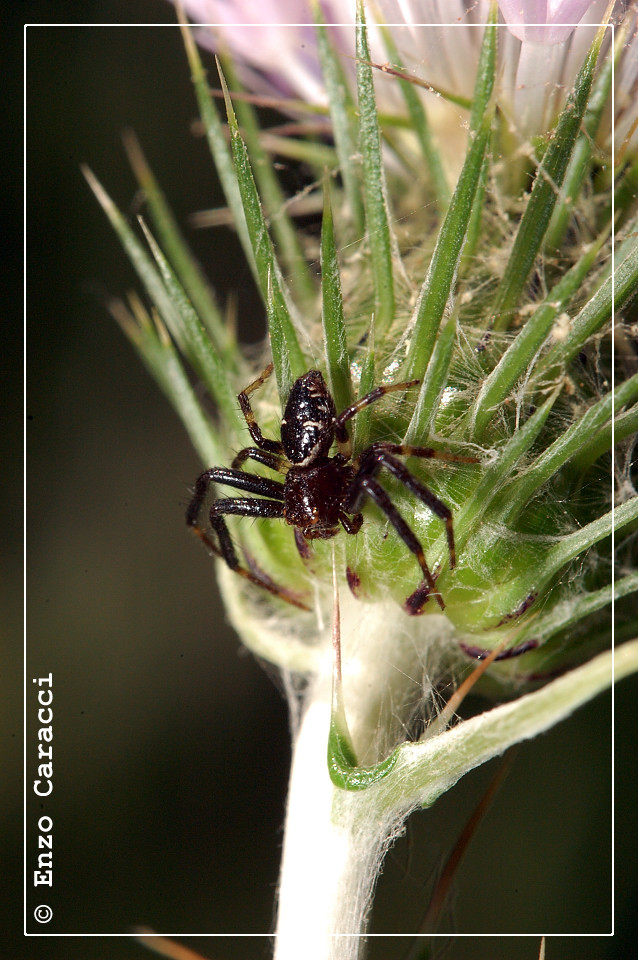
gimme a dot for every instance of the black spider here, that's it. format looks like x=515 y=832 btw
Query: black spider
x=319 y=491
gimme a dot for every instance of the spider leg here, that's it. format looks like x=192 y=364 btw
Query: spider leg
x=319 y=533
x=271 y=460
x=364 y=483
x=351 y=524
x=383 y=455
x=341 y=434
x=406 y=450
x=230 y=478
x=272 y=446
x=302 y=545
x=244 y=507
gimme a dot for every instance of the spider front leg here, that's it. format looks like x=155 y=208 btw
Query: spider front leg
x=271 y=460
x=230 y=478
x=272 y=446
x=247 y=507
x=344 y=443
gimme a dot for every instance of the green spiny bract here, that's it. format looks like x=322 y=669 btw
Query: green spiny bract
x=502 y=308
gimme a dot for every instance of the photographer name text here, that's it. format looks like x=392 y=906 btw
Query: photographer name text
x=43 y=785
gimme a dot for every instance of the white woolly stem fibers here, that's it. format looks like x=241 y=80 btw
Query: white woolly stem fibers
x=335 y=840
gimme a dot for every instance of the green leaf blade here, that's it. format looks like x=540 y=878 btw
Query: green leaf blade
x=288 y=356
x=495 y=476
x=334 y=329
x=179 y=255
x=610 y=296
x=434 y=382
x=187 y=328
x=543 y=197
x=286 y=237
x=217 y=142
x=158 y=354
x=569 y=444
x=438 y=285
x=342 y=112
x=374 y=187
x=517 y=358
x=421 y=127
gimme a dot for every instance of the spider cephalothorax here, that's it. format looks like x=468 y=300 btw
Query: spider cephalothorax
x=320 y=493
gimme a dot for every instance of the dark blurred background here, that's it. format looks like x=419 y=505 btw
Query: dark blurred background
x=171 y=743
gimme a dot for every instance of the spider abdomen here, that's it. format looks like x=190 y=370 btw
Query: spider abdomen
x=306 y=429
x=314 y=496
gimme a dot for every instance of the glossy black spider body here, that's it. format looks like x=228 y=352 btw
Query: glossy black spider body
x=320 y=493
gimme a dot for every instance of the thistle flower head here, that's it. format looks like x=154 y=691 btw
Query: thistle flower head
x=477 y=246
x=498 y=301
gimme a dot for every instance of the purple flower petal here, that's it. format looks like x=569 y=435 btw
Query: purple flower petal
x=543 y=21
